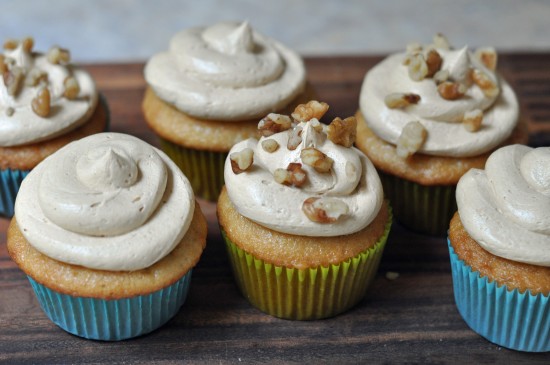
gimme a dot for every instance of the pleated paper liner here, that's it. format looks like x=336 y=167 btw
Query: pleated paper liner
x=204 y=169
x=112 y=320
x=508 y=318
x=423 y=209
x=305 y=294
x=10 y=181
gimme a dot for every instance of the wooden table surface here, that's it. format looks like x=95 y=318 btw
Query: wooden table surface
x=412 y=319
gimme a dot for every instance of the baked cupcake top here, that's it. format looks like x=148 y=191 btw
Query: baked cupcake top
x=506 y=207
x=452 y=100
x=226 y=72
x=303 y=177
x=109 y=202
x=42 y=95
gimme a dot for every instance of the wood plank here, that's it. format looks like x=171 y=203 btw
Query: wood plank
x=411 y=319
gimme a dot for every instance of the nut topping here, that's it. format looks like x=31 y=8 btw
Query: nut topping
x=472 y=120
x=274 y=123
x=28 y=44
x=294 y=175
x=440 y=41
x=12 y=79
x=294 y=138
x=342 y=132
x=72 y=89
x=270 y=145
x=488 y=56
x=434 y=62
x=486 y=85
x=58 y=56
x=242 y=160
x=316 y=159
x=41 y=103
x=324 y=210
x=11 y=44
x=411 y=139
x=316 y=125
x=3 y=66
x=401 y=100
x=313 y=109
x=451 y=90
x=441 y=76
x=418 y=68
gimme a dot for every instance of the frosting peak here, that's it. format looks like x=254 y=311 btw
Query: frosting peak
x=505 y=208
x=226 y=72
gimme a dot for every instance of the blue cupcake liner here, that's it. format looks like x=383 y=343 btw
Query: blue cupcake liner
x=508 y=318
x=112 y=320
x=10 y=181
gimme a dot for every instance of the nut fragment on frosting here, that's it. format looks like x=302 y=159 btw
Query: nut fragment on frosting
x=214 y=72
x=315 y=183
x=108 y=202
x=33 y=86
x=505 y=207
x=450 y=83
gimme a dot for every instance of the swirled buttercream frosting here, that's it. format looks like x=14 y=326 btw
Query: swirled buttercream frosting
x=305 y=180
x=506 y=208
x=458 y=97
x=226 y=72
x=109 y=202
x=26 y=114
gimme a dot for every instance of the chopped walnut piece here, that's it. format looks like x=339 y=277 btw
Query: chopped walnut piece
x=313 y=109
x=488 y=56
x=324 y=210
x=41 y=103
x=411 y=139
x=401 y=100
x=12 y=79
x=472 y=120
x=293 y=175
x=441 y=76
x=58 y=55
x=270 y=145
x=3 y=66
x=434 y=62
x=11 y=44
x=274 y=123
x=316 y=125
x=28 y=44
x=242 y=160
x=342 y=132
x=35 y=76
x=440 y=41
x=316 y=159
x=418 y=68
x=489 y=88
x=294 y=138
x=451 y=90
x=72 y=89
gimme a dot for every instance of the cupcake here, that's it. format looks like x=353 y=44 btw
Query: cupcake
x=107 y=230
x=426 y=117
x=210 y=89
x=45 y=103
x=303 y=216
x=499 y=242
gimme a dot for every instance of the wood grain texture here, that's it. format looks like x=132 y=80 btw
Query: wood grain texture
x=412 y=319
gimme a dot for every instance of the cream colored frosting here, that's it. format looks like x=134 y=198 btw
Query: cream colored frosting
x=353 y=180
x=109 y=202
x=506 y=208
x=442 y=118
x=24 y=125
x=226 y=72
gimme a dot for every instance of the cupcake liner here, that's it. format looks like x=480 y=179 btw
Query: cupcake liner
x=112 y=320
x=204 y=169
x=424 y=209
x=10 y=181
x=505 y=317
x=305 y=294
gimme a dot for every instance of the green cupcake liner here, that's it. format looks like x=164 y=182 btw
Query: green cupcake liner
x=305 y=294
x=424 y=209
x=204 y=169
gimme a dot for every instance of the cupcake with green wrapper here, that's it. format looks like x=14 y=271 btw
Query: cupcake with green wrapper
x=45 y=103
x=303 y=216
x=426 y=117
x=499 y=243
x=208 y=91
x=107 y=231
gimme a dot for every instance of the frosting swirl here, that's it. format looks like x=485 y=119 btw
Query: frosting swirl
x=19 y=124
x=505 y=208
x=442 y=118
x=226 y=72
x=351 y=188
x=109 y=202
